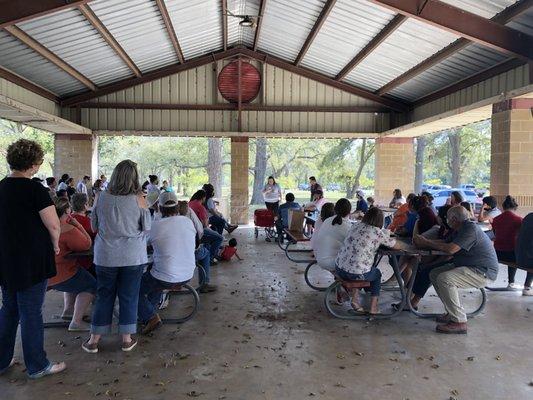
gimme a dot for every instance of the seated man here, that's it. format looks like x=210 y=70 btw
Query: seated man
x=473 y=265
x=173 y=238
x=283 y=214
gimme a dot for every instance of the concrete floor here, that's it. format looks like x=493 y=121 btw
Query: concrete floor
x=266 y=335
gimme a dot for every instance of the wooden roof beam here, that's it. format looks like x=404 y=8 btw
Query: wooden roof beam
x=224 y=24
x=108 y=37
x=170 y=29
x=259 y=23
x=503 y=17
x=14 y=12
x=468 y=25
x=43 y=51
x=371 y=46
x=314 y=31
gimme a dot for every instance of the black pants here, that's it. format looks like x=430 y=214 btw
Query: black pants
x=422 y=281
x=510 y=256
x=272 y=207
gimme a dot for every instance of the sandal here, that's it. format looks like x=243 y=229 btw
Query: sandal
x=357 y=308
x=52 y=369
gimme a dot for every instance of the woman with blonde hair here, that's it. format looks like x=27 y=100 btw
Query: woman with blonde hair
x=120 y=217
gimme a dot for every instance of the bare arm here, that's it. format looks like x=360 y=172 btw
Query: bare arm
x=238 y=257
x=51 y=222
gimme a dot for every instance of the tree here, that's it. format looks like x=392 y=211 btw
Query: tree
x=214 y=163
x=259 y=170
x=421 y=143
x=454 y=138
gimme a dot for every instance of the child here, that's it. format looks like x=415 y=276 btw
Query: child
x=227 y=252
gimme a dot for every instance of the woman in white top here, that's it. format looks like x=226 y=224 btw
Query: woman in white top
x=328 y=210
x=330 y=237
x=397 y=199
x=272 y=195
x=356 y=257
x=153 y=186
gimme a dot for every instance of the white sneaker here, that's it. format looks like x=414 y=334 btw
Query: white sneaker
x=513 y=286
x=527 y=291
x=165 y=299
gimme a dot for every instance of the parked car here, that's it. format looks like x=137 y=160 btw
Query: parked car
x=303 y=186
x=468 y=186
x=440 y=197
x=333 y=187
x=433 y=188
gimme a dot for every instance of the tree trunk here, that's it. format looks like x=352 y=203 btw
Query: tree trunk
x=421 y=143
x=455 y=148
x=259 y=170
x=214 y=164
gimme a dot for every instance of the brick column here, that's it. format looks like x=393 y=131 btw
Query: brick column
x=76 y=155
x=511 y=167
x=239 y=180
x=394 y=167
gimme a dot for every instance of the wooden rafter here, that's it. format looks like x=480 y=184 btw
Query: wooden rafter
x=503 y=17
x=314 y=31
x=259 y=24
x=465 y=24
x=371 y=46
x=224 y=24
x=108 y=37
x=170 y=29
x=43 y=51
x=16 y=11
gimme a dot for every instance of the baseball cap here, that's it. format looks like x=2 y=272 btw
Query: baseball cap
x=168 y=197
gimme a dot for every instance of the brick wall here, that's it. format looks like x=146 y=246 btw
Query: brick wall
x=239 y=180
x=75 y=155
x=394 y=167
x=512 y=153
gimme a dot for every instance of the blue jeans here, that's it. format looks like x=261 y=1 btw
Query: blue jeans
x=81 y=282
x=373 y=276
x=203 y=256
x=112 y=281
x=213 y=240
x=218 y=223
x=24 y=306
x=149 y=296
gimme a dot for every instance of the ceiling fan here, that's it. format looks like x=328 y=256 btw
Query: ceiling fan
x=248 y=21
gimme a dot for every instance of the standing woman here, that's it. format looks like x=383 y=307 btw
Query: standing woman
x=272 y=195
x=120 y=217
x=29 y=239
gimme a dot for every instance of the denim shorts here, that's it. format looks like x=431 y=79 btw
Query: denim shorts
x=81 y=282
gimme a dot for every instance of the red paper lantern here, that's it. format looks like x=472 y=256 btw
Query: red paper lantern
x=228 y=82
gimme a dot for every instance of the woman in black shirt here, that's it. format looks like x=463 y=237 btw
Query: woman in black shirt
x=29 y=239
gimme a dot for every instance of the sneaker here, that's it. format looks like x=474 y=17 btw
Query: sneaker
x=214 y=262
x=90 y=348
x=443 y=319
x=513 y=286
x=528 y=291
x=165 y=300
x=52 y=369
x=83 y=327
x=152 y=325
x=129 y=346
x=207 y=288
x=452 y=328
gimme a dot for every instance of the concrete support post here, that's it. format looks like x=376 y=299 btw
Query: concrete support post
x=76 y=155
x=511 y=170
x=239 y=180
x=394 y=167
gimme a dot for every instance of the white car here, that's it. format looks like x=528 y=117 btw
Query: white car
x=440 y=197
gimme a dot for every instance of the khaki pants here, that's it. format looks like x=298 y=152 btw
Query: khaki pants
x=447 y=279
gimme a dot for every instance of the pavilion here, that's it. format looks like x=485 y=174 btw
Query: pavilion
x=385 y=69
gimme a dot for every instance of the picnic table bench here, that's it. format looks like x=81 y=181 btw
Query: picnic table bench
x=293 y=238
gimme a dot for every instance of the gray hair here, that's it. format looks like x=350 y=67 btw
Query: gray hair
x=124 y=179
x=79 y=201
x=458 y=213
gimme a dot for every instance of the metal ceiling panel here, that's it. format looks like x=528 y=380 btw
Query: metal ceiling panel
x=286 y=25
x=20 y=59
x=198 y=25
x=460 y=65
x=72 y=38
x=410 y=44
x=251 y=7
x=348 y=28
x=484 y=8
x=523 y=23
x=138 y=27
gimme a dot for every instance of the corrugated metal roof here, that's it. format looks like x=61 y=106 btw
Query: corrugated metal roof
x=523 y=23
x=251 y=7
x=460 y=65
x=484 y=8
x=140 y=31
x=286 y=25
x=198 y=25
x=17 y=57
x=410 y=44
x=72 y=38
x=348 y=28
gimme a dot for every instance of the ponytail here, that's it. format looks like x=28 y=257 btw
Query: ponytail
x=343 y=207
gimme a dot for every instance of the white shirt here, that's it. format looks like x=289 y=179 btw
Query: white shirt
x=152 y=188
x=81 y=187
x=329 y=241
x=173 y=240
x=271 y=193
x=62 y=186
